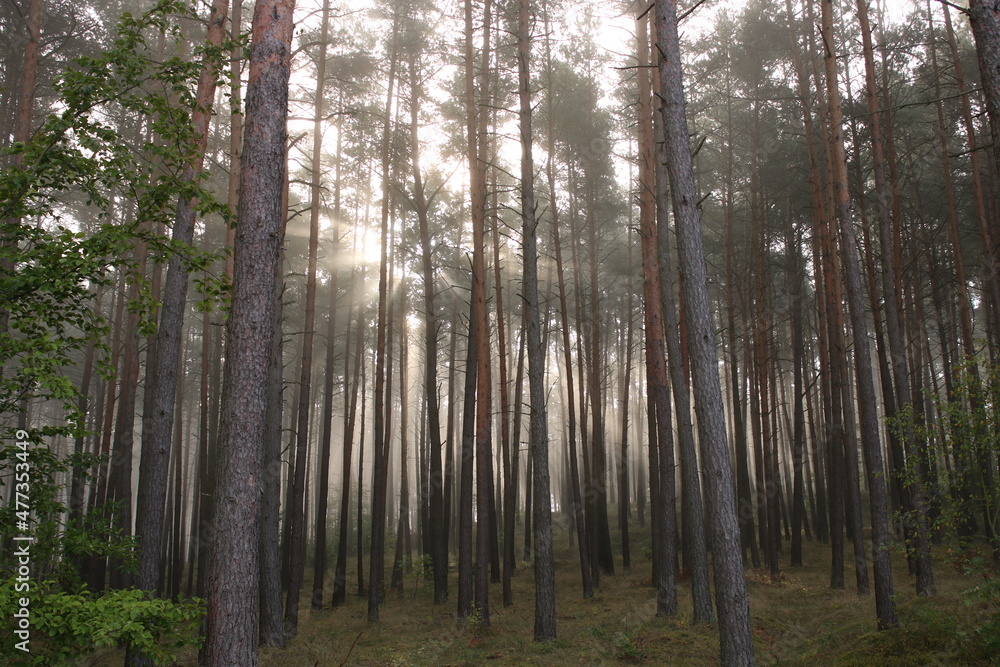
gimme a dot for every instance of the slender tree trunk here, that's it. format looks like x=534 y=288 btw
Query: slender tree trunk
x=403 y=522
x=984 y=16
x=691 y=507
x=272 y=627
x=351 y=409
x=885 y=606
x=380 y=462
x=437 y=522
x=361 y=469
x=22 y=128
x=661 y=455
x=625 y=380
x=163 y=362
x=545 y=594
x=902 y=392
x=574 y=465
x=731 y=594
x=326 y=433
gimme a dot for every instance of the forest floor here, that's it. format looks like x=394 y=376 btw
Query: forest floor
x=797 y=619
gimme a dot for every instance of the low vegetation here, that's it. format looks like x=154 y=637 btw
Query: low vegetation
x=797 y=619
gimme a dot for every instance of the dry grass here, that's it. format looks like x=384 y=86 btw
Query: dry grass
x=796 y=618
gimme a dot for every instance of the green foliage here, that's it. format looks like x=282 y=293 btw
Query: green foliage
x=96 y=182
x=984 y=640
x=66 y=626
x=475 y=618
x=92 y=193
x=971 y=420
x=627 y=648
x=68 y=621
x=57 y=542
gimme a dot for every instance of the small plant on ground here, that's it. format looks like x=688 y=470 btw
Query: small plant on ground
x=627 y=648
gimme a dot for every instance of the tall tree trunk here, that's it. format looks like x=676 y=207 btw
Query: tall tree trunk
x=22 y=127
x=272 y=627
x=990 y=250
x=296 y=512
x=477 y=117
x=163 y=365
x=661 y=445
x=691 y=506
x=731 y=594
x=914 y=487
x=885 y=606
x=984 y=16
x=403 y=522
x=376 y=564
x=350 y=413
x=233 y=569
x=599 y=472
x=437 y=521
x=577 y=505
x=545 y=593
x=625 y=380
x=326 y=433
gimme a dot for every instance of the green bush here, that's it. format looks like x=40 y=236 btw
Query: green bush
x=67 y=626
x=983 y=643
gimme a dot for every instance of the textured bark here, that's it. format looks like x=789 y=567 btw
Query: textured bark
x=661 y=454
x=376 y=564
x=545 y=592
x=23 y=121
x=984 y=16
x=579 y=521
x=484 y=403
x=233 y=568
x=691 y=505
x=902 y=394
x=885 y=606
x=731 y=594
x=163 y=364
x=272 y=627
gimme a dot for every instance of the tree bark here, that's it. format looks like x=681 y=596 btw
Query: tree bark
x=731 y=594
x=885 y=606
x=545 y=593
x=156 y=435
x=233 y=569
x=376 y=565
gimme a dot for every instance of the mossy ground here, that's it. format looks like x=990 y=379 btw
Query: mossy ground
x=797 y=619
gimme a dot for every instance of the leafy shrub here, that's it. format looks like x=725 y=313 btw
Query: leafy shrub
x=984 y=641
x=66 y=626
